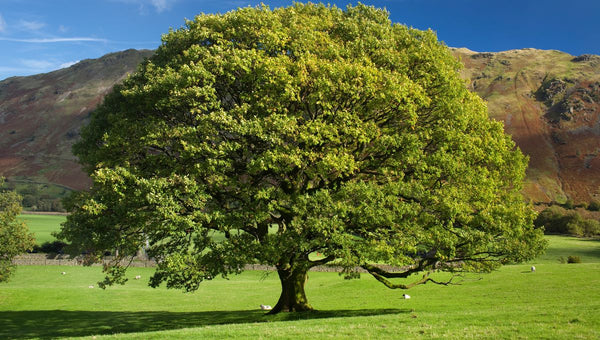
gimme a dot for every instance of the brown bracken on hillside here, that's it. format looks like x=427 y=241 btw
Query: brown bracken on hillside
x=549 y=102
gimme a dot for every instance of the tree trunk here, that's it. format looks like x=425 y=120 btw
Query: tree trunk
x=293 y=298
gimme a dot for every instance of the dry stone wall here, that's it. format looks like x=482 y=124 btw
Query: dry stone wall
x=66 y=260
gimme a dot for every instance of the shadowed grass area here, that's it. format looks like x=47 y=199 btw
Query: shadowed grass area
x=60 y=323
x=564 y=246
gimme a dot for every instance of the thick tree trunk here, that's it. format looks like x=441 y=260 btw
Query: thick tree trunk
x=293 y=298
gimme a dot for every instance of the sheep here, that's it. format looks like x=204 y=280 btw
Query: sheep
x=63 y=273
x=137 y=277
x=91 y=286
x=265 y=307
x=533 y=268
x=406 y=296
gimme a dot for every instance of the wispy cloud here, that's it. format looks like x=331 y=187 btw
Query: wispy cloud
x=31 y=25
x=159 y=5
x=2 y=24
x=54 y=40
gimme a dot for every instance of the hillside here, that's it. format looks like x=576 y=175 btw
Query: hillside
x=550 y=104
x=548 y=100
x=40 y=117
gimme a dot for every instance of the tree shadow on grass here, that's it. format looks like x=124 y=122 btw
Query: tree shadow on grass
x=60 y=323
x=591 y=252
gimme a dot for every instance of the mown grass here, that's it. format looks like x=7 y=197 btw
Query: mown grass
x=557 y=301
x=42 y=226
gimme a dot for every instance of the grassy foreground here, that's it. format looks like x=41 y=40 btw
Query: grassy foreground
x=557 y=301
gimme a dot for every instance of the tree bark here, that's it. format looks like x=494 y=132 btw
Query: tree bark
x=292 y=298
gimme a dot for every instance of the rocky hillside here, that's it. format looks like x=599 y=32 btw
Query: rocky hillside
x=550 y=104
x=548 y=100
x=40 y=117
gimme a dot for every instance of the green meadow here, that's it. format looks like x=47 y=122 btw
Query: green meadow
x=42 y=226
x=559 y=300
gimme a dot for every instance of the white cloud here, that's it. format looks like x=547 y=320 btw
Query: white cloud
x=2 y=24
x=68 y=64
x=54 y=40
x=159 y=5
x=31 y=25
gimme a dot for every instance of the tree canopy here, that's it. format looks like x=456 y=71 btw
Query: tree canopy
x=268 y=136
x=15 y=238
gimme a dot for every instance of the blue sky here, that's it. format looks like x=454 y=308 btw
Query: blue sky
x=43 y=35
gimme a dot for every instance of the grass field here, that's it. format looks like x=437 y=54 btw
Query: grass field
x=557 y=301
x=42 y=226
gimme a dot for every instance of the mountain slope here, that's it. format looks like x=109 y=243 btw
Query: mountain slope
x=549 y=102
x=40 y=117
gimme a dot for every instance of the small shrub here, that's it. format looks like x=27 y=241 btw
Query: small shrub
x=573 y=259
x=594 y=205
x=569 y=204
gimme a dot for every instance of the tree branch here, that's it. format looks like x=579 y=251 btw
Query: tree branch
x=373 y=270
x=322 y=261
x=422 y=281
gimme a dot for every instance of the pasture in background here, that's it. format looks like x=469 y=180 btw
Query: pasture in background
x=42 y=225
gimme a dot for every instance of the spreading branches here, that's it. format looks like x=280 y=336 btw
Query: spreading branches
x=382 y=276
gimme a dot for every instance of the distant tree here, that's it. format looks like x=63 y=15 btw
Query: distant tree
x=30 y=201
x=297 y=131
x=590 y=227
x=15 y=238
x=557 y=220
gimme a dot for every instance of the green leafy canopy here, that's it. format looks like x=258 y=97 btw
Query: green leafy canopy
x=267 y=136
x=15 y=238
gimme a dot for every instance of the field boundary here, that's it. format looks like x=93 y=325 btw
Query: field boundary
x=40 y=259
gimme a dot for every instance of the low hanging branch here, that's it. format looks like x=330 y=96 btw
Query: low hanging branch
x=383 y=276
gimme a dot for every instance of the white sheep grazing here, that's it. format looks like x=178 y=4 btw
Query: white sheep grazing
x=532 y=268
x=64 y=273
x=91 y=286
x=137 y=277
x=265 y=307
x=406 y=296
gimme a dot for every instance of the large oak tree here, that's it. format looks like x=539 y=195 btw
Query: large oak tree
x=268 y=136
